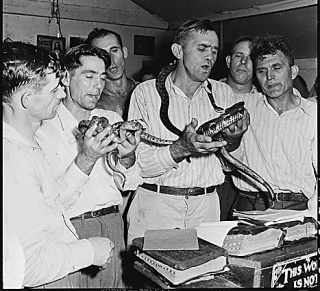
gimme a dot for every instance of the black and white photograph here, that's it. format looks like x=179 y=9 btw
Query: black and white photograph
x=156 y=145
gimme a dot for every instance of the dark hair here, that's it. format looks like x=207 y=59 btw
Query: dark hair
x=24 y=64
x=73 y=55
x=271 y=44
x=193 y=25
x=100 y=33
x=240 y=39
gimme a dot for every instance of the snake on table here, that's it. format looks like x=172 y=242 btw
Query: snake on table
x=211 y=128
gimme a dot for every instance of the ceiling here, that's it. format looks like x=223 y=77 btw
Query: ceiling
x=296 y=20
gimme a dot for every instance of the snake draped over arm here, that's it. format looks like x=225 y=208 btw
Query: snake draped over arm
x=211 y=128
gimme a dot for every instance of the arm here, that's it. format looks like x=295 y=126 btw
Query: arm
x=51 y=250
x=157 y=160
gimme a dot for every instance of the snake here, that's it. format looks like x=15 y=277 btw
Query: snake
x=211 y=128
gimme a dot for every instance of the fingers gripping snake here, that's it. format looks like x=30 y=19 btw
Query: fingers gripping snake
x=211 y=128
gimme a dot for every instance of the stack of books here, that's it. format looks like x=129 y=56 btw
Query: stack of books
x=181 y=266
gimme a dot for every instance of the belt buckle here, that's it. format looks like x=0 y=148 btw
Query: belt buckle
x=95 y=215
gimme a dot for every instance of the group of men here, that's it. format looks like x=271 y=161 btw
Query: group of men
x=61 y=198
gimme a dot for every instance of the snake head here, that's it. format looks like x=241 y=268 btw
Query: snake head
x=143 y=124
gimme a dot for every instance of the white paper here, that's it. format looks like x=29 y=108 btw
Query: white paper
x=215 y=232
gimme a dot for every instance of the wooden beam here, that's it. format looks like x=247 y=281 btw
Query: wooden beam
x=255 y=10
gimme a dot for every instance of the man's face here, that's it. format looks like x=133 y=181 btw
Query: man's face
x=117 y=54
x=274 y=74
x=44 y=103
x=86 y=82
x=199 y=54
x=240 y=64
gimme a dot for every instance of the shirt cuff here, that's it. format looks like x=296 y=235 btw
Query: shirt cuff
x=133 y=178
x=74 y=176
x=166 y=161
x=82 y=253
x=238 y=153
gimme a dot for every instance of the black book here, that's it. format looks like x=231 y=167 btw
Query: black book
x=179 y=266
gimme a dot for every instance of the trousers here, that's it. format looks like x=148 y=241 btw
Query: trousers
x=110 y=226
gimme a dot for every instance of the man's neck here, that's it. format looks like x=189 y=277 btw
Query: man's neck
x=22 y=123
x=239 y=88
x=78 y=112
x=120 y=86
x=182 y=81
x=284 y=102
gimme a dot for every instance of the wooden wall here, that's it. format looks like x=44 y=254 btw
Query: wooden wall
x=25 y=19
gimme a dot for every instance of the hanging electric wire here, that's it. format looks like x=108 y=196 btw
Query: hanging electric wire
x=55 y=12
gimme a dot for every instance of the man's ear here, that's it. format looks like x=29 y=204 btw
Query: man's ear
x=294 y=71
x=65 y=80
x=177 y=50
x=228 y=61
x=25 y=99
x=125 y=52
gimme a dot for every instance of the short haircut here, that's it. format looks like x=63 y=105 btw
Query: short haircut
x=189 y=26
x=271 y=44
x=240 y=39
x=72 y=57
x=25 y=65
x=100 y=33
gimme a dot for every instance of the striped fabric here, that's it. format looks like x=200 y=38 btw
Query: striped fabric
x=155 y=161
x=281 y=148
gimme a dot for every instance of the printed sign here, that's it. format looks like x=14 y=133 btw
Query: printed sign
x=299 y=272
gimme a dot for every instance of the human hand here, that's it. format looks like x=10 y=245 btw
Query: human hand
x=93 y=146
x=234 y=132
x=191 y=143
x=129 y=138
x=103 y=251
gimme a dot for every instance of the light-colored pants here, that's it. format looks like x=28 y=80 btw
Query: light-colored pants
x=152 y=210
x=110 y=226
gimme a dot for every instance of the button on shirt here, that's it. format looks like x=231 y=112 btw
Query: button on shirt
x=156 y=163
x=281 y=148
x=51 y=247
x=57 y=138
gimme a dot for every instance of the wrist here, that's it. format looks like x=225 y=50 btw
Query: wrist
x=84 y=163
x=178 y=151
x=128 y=161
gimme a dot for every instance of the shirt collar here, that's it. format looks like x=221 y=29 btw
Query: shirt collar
x=13 y=136
x=304 y=105
x=178 y=91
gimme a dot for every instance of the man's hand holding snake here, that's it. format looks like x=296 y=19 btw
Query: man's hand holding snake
x=94 y=145
x=191 y=143
x=128 y=140
x=234 y=132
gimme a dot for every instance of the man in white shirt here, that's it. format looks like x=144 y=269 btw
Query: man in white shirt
x=93 y=208
x=281 y=142
x=52 y=251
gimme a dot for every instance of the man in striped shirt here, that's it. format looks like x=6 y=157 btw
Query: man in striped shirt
x=181 y=179
x=281 y=142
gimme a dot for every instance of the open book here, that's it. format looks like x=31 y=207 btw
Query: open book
x=244 y=240
x=241 y=239
x=271 y=216
x=179 y=266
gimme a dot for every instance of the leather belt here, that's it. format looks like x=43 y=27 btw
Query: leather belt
x=97 y=213
x=279 y=197
x=194 y=191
